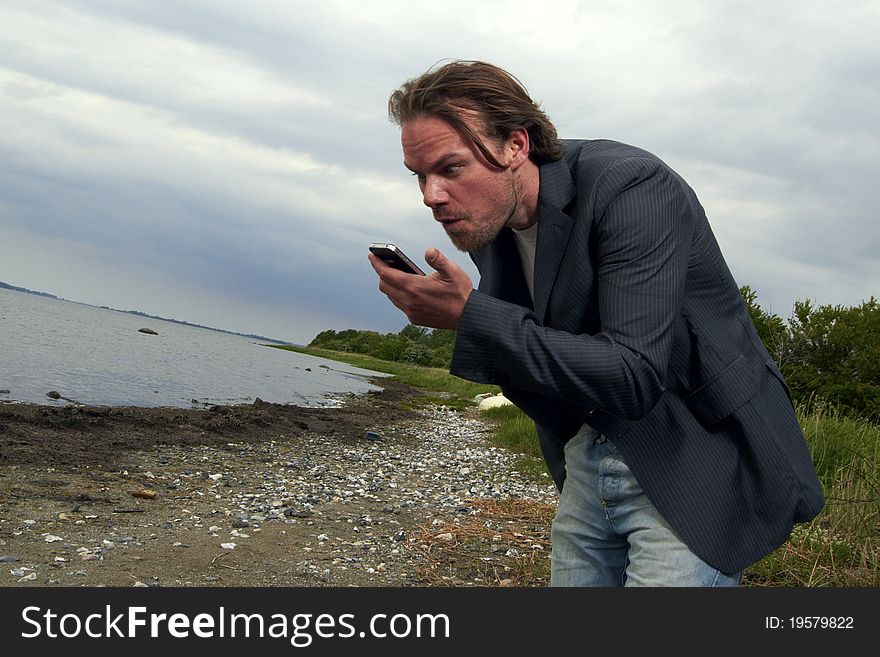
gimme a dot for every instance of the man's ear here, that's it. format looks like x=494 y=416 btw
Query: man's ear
x=517 y=148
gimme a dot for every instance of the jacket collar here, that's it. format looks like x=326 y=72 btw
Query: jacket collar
x=499 y=263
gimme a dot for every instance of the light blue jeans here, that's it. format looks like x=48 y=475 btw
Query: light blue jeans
x=607 y=533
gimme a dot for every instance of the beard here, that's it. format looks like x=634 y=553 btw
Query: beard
x=474 y=231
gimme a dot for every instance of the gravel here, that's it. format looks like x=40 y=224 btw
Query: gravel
x=314 y=510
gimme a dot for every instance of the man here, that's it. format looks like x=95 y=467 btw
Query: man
x=606 y=312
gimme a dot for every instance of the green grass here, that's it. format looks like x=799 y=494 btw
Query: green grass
x=840 y=547
x=515 y=431
x=447 y=389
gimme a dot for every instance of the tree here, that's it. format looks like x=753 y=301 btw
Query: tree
x=833 y=356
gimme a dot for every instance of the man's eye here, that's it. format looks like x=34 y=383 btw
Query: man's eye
x=452 y=169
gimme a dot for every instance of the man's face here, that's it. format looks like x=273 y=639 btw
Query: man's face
x=472 y=199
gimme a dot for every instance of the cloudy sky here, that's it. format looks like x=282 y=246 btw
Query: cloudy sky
x=227 y=162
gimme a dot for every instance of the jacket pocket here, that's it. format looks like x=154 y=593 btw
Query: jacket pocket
x=728 y=390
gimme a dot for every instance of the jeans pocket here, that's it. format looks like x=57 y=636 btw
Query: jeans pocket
x=585 y=436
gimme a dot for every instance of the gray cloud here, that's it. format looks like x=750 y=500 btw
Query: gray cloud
x=227 y=163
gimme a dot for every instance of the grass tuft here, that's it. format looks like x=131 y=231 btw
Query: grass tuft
x=841 y=546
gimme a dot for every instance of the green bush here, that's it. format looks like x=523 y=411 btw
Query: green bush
x=829 y=355
x=413 y=344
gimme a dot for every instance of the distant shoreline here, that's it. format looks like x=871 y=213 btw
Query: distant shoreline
x=15 y=288
x=138 y=313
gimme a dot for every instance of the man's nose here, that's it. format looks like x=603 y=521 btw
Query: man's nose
x=433 y=193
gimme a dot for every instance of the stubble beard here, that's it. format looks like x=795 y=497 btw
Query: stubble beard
x=483 y=229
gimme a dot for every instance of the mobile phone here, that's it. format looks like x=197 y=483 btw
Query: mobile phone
x=395 y=257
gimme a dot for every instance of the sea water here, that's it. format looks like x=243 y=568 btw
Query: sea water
x=90 y=355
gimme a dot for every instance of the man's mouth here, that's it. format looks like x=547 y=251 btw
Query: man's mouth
x=449 y=222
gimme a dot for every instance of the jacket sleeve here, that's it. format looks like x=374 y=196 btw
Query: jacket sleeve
x=643 y=216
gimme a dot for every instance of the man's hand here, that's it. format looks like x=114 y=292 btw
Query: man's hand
x=436 y=300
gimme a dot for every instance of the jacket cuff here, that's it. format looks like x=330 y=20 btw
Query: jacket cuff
x=474 y=355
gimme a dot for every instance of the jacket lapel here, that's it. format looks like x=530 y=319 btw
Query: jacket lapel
x=554 y=228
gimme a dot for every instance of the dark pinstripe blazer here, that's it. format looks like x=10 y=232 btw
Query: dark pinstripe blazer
x=639 y=330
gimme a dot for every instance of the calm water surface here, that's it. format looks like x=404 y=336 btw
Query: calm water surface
x=98 y=356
